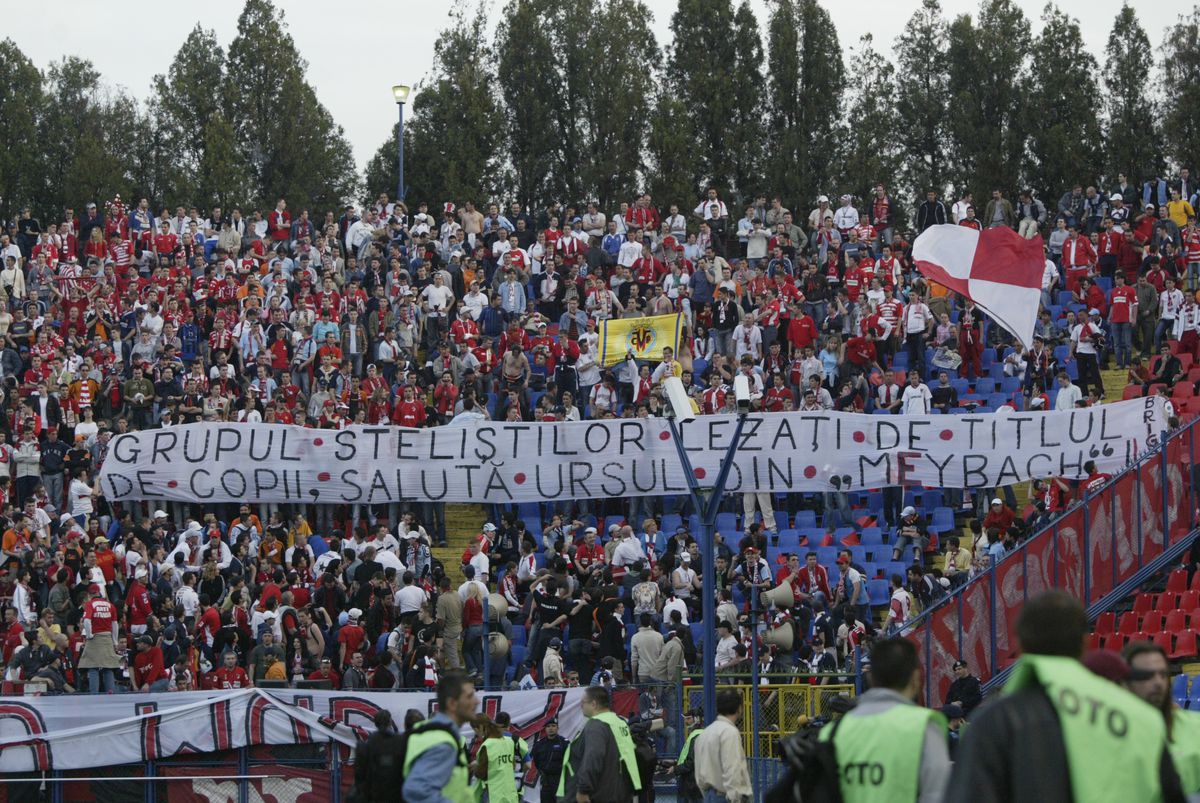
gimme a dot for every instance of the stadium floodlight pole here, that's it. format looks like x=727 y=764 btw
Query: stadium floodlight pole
x=707 y=510
x=400 y=93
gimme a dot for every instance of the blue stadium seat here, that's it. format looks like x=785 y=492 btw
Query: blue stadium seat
x=671 y=522
x=878 y=592
x=931 y=498
x=1065 y=298
x=1179 y=686
x=1010 y=384
x=942 y=519
x=806 y=518
x=961 y=386
x=858 y=554
x=727 y=523
x=789 y=541
x=781 y=520
x=827 y=556
x=871 y=536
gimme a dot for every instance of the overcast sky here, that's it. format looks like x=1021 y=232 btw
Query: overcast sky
x=357 y=53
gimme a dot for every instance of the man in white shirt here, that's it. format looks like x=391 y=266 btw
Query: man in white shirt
x=410 y=598
x=1068 y=395
x=631 y=250
x=1049 y=281
x=899 y=608
x=747 y=339
x=720 y=757
x=959 y=210
x=629 y=550
x=1084 y=337
x=711 y=208
x=1170 y=302
x=817 y=217
x=846 y=216
x=916 y=323
x=916 y=400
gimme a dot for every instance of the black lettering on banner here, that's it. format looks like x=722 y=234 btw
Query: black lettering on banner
x=941 y=468
x=652 y=483
x=667 y=487
x=187 y=441
x=579 y=483
x=749 y=431
x=347 y=447
x=783 y=433
x=617 y=486
x=1104 y=436
x=537 y=477
x=119 y=490
x=970 y=422
x=914 y=437
x=145 y=481
x=714 y=437
x=784 y=474
x=632 y=433
x=239 y=480
x=159 y=449
x=375 y=433
x=974 y=465
x=495 y=482
x=378 y=484
x=125 y=448
x=736 y=480
x=516 y=430
x=229 y=439
x=1075 y=415
x=256 y=434
x=467 y=467
x=261 y=477
x=1151 y=407
x=1007 y=469
x=1046 y=443
x=200 y=472
x=432 y=435
x=893 y=435
x=1067 y=468
x=1031 y=471
x=554 y=441
x=592 y=446
x=406 y=444
x=904 y=467
x=350 y=478
x=283 y=455
x=430 y=495
x=1020 y=422
x=884 y=459
x=483 y=437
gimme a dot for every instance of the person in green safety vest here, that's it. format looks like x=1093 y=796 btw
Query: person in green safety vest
x=1059 y=733
x=520 y=747
x=601 y=762
x=685 y=768
x=1150 y=678
x=436 y=768
x=888 y=748
x=494 y=764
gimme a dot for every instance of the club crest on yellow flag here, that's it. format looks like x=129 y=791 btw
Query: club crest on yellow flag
x=645 y=337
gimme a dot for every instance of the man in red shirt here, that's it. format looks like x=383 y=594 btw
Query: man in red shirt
x=1095 y=479
x=1122 y=313
x=149 y=674
x=351 y=637
x=230 y=675
x=326 y=673
x=207 y=626
x=137 y=602
x=860 y=353
x=100 y=630
x=1078 y=257
x=279 y=222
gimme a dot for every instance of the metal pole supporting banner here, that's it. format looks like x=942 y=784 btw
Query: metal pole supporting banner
x=1164 y=480
x=707 y=511
x=400 y=189
x=1087 y=549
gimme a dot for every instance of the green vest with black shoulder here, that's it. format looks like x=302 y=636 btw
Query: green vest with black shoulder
x=1185 y=748
x=625 y=751
x=425 y=736
x=1114 y=741
x=879 y=756
x=500 y=785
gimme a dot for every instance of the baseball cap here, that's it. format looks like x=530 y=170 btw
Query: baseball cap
x=589 y=530
x=952 y=711
x=908 y=511
x=686 y=558
x=959 y=664
x=997 y=502
x=489 y=528
x=823 y=199
x=555 y=643
x=1116 y=196
x=354 y=613
x=160 y=514
x=1093 y=311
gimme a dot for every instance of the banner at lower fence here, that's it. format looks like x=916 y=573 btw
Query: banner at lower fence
x=516 y=462
x=75 y=732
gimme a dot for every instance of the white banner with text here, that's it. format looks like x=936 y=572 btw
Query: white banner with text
x=499 y=462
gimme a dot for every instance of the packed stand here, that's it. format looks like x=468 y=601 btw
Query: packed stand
x=123 y=319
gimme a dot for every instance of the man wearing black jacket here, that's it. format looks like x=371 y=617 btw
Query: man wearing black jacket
x=1016 y=749
x=547 y=755
x=931 y=212
x=965 y=690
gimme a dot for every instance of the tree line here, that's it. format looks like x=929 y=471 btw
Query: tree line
x=576 y=101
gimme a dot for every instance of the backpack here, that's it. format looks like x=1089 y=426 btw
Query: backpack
x=379 y=765
x=811 y=769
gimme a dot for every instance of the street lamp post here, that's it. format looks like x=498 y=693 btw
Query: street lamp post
x=400 y=93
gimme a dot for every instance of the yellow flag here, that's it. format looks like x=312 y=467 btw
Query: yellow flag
x=645 y=337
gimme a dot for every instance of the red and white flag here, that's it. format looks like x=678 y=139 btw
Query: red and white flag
x=998 y=269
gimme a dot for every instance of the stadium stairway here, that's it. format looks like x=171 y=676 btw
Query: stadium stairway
x=462 y=524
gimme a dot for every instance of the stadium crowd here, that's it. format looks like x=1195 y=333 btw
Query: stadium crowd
x=123 y=318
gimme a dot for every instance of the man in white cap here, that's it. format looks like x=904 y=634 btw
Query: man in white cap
x=846 y=216
x=911 y=531
x=818 y=216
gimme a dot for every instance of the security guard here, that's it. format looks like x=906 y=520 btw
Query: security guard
x=601 y=763
x=520 y=747
x=889 y=749
x=1150 y=679
x=547 y=754
x=494 y=763
x=1060 y=734
x=375 y=765
x=685 y=768
x=436 y=767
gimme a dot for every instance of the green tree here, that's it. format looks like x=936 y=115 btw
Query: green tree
x=699 y=67
x=672 y=152
x=382 y=174
x=1131 y=145
x=292 y=146
x=451 y=148
x=805 y=78
x=184 y=100
x=1181 y=69
x=1064 y=131
x=21 y=98
x=923 y=99
x=85 y=133
x=988 y=68
x=525 y=62
x=872 y=148
x=746 y=119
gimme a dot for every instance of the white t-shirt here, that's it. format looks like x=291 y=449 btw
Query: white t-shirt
x=916 y=401
x=1083 y=343
x=481 y=563
x=438 y=298
x=81 y=498
x=675 y=604
x=900 y=606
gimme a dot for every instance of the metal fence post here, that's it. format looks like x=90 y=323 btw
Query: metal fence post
x=335 y=773
x=1137 y=512
x=1087 y=550
x=243 y=770
x=1112 y=528
x=992 y=620
x=1166 y=494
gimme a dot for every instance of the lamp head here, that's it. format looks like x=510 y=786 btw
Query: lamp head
x=400 y=92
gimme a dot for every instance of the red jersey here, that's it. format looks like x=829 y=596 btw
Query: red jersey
x=137 y=603
x=409 y=413
x=102 y=614
x=148 y=667
x=774 y=398
x=235 y=678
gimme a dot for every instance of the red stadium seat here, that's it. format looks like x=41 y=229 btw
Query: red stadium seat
x=1177 y=581
x=1106 y=623
x=1185 y=645
x=1143 y=603
x=1163 y=640
x=1189 y=600
x=1096 y=641
x=1128 y=624
x=1131 y=392
x=1166 y=602
x=1153 y=622
x=1175 y=622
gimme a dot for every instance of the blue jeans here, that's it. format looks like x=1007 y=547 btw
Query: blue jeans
x=838 y=501
x=473 y=649
x=723 y=342
x=1122 y=343
x=1166 y=326
x=98 y=678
